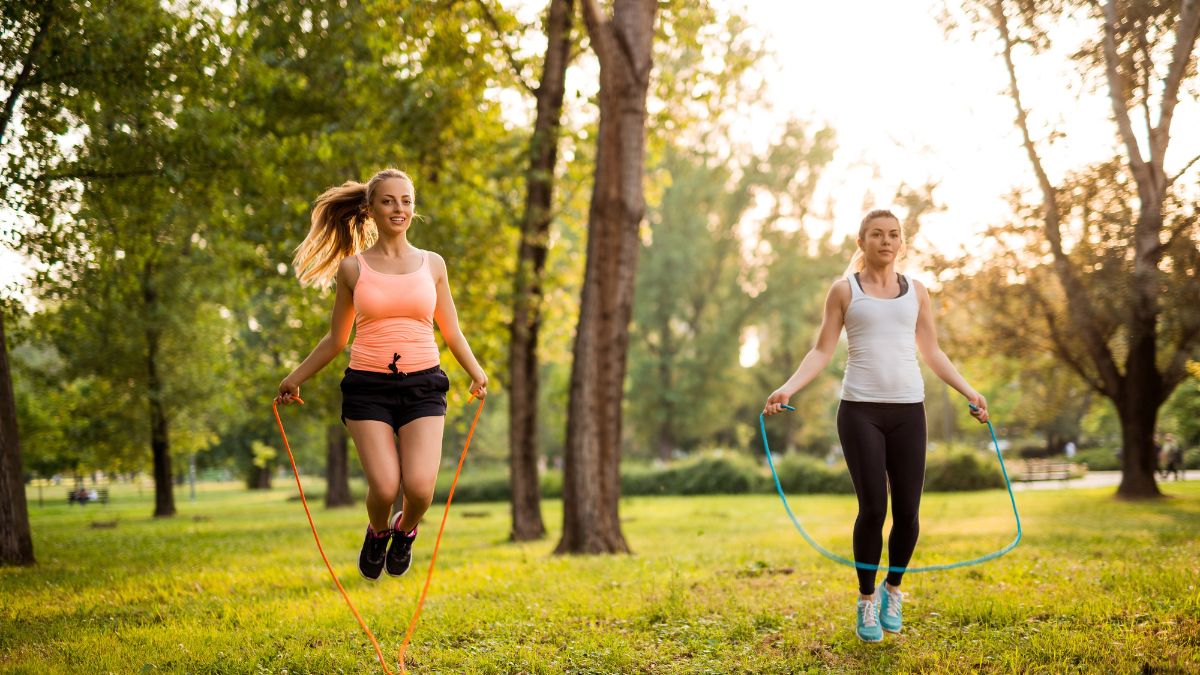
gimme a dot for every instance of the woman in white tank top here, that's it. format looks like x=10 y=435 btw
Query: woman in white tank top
x=881 y=420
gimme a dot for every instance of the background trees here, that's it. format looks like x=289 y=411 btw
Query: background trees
x=159 y=163
x=1102 y=260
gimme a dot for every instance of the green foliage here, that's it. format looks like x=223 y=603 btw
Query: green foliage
x=1181 y=412
x=713 y=473
x=805 y=474
x=699 y=291
x=262 y=453
x=710 y=473
x=121 y=227
x=958 y=469
x=1103 y=458
x=166 y=232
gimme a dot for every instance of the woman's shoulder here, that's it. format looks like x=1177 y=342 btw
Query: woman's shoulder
x=348 y=271
x=917 y=285
x=437 y=264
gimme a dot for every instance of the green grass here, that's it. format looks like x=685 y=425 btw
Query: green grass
x=716 y=585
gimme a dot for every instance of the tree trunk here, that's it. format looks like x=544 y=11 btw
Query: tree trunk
x=527 y=292
x=337 y=468
x=16 y=543
x=160 y=446
x=261 y=478
x=591 y=480
x=1138 y=412
x=666 y=441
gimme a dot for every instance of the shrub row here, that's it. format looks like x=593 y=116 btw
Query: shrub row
x=735 y=473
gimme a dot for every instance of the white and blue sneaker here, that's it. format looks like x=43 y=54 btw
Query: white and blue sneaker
x=890 y=616
x=868 y=629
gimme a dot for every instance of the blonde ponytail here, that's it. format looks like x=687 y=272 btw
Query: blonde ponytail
x=341 y=227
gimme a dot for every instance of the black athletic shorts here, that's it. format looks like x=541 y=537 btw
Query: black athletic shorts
x=395 y=398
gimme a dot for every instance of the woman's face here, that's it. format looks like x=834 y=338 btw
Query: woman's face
x=882 y=241
x=392 y=206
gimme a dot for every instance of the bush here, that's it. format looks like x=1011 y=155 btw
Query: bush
x=721 y=473
x=725 y=472
x=1099 y=459
x=959 y=469
x=1036 y=451
x=716 y=473
x=489 y=488
x=804 y=474
x=646 y=480
x=490 y=484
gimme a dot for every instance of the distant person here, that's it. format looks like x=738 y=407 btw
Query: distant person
x=1069 y=449
x=78 y=495
x=1160 y=457
x=1174 y=455
x=394 y=392
x=881 y=418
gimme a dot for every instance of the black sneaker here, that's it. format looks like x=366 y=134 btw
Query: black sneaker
x=374 y=550
x=399 y=556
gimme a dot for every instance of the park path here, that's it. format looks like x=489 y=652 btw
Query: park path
x=1090 y=480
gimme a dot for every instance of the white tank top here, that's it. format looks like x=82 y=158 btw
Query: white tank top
x=882 y=332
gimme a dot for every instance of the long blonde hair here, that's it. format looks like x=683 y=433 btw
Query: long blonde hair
x=858 y=261
x=341 y=226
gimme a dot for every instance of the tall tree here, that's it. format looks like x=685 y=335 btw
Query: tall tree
x=24 y=29
x=527 y=283
x=591 y=479
x=1116 y=235
x=127 y=270
x=16 y=543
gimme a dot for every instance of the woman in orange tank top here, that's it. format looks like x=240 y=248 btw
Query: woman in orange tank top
x=394 y=392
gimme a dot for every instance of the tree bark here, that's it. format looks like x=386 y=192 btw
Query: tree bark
x=1138 y=414
x=16 y=543
x=160 y=446
x=337 y=468
x=261 y=478
x=591 y=480
x=527 y=292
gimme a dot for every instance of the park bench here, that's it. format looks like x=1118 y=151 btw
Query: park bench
x=1045 y=469
x=101 y=496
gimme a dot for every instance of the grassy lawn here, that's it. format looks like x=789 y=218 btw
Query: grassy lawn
x=716 y=585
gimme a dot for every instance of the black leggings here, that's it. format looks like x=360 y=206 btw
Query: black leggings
x=884 y=444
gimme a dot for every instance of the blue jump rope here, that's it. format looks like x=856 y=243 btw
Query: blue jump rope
x=864 y=566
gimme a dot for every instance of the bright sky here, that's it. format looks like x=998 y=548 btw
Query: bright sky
x=911 y=104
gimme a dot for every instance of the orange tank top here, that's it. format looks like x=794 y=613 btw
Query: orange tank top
x=393 y=322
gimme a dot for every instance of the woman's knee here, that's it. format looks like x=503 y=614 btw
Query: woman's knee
x=872 y=515
x=910 y=523
x=418 y=496
x=382 y=493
